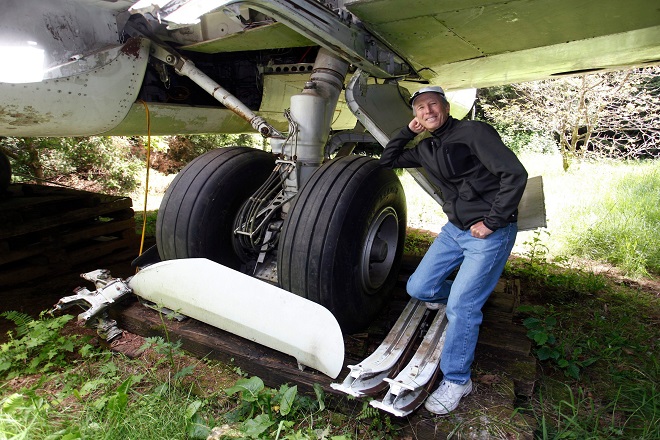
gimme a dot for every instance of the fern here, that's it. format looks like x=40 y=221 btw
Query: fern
x=40 y=349
x=21 y=320
x=367 y=412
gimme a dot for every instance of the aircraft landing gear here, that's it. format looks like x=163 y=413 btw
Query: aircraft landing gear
x=197 y=214
x=338 y=228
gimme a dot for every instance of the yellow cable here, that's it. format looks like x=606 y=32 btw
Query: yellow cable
x=146 y=184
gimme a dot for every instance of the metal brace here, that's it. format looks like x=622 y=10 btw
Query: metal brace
x=165 y=53
x=96 y=303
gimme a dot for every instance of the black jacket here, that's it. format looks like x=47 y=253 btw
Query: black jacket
x=480 y=178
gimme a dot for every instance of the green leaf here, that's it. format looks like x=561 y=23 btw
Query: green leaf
x=573 y=371
x=185 y=371
x=67 y=345
x=108 y=369
x=198 y=429
x=192 y=408
x=256 y=426
x=587 y=362
x=540 y=338
x=13 y=403
x=249 y=388
x=320 y=396
x=544 y=353
x=100 y=403
x=286 y=404
x=532 y=323
x=87 y=350
x=91 y=385
x=117 y=403
x=161 y=389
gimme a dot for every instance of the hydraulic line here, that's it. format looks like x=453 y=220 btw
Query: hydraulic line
x=146 y=181
x=256 y=214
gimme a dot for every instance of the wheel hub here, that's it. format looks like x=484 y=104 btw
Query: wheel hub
x=379 y=249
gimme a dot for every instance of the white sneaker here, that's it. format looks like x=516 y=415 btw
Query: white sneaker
x=445 y=399
x=432 y=306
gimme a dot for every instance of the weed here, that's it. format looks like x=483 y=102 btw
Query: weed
x=542 y=331
x=149 y=225
x=38 y=347
x=266 y=413
x=377 y=421
x=417 y=242
x=162 y=345
x=566 y=412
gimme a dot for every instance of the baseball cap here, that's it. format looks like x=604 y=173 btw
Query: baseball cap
x=436 y=89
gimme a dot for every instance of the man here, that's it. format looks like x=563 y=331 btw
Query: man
x=482 y=182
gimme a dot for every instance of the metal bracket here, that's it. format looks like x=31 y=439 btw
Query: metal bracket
x=108 y=291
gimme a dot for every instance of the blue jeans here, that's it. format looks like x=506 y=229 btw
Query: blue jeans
x=482 y=261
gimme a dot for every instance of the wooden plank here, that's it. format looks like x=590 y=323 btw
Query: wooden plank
x=25 y=202
x=61 y=260
x=120 y=208
x=17 y=275
x=55 y=240
x=275 y=368
x=205 y=341
x=19 y=221
x=97 y=229
x=99 y=249
x=505 y=336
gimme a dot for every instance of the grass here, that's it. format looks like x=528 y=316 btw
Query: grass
x=604 y=212
x=622 y=227
x=89 y=392
x=596 y=338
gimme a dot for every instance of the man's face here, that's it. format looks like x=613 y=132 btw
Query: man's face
x=429 y=111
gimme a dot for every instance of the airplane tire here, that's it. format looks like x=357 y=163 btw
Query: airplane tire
x=5 y=172
x=342 y=242
x=196 y=215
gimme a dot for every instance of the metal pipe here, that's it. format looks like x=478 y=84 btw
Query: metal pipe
x=187 y=68
x=313 y=111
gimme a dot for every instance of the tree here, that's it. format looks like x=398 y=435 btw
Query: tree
x=613 y=114
x=97 y=163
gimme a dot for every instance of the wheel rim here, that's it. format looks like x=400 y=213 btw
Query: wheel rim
x=379 y=250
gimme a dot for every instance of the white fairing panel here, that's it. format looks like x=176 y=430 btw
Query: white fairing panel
x=85 y=97
x=250 y=308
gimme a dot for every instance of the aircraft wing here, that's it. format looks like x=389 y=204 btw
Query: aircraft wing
x=91 y=79
x=460 y=44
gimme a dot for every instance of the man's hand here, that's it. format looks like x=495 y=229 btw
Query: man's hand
x=415 y=126
x=479 y=230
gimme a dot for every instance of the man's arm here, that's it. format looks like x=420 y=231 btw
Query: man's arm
x=395 y=155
